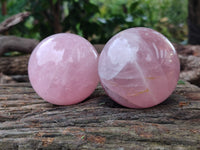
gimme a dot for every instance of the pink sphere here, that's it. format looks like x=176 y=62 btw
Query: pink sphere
x=63 y=69
x=139 y=68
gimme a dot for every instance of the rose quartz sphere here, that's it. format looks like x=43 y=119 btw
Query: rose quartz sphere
x=139 y=68
x=63 y=69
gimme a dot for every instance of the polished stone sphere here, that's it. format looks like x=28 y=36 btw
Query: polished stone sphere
x=63 y=69
x=139 y=68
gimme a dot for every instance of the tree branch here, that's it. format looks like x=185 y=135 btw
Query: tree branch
x=13 y=43
x=13 y=20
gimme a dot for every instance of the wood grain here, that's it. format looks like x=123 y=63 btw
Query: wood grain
x=28 y=122
x=17 y=65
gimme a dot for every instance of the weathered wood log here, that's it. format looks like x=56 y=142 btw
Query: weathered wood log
x=192 y=76
x=13 y=43
x=189 y=62
x=19 y=78
x=13 y=79
x=14 y=65
x=13 y=20
x=17 y=65
x=189 y=65
x=188 y=49
x=28 y=122
x=190 y=70
x=24 y=45
x=6 y=79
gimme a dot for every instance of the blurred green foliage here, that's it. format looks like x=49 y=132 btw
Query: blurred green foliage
x=98 y=20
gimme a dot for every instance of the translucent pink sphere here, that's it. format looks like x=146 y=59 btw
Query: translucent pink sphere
x=63 y=69
x=139 y=68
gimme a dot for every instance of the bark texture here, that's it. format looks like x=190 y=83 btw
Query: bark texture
x=194 y=21
x=14 y=65
x=56 y=12
x=13 y=20
x=27 y=122
x=190 y=70
x=13 y=43
x=188 y=49
x=6 y=79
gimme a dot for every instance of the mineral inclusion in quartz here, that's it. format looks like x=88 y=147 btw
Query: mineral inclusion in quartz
x=63 y=69
x=139 y=68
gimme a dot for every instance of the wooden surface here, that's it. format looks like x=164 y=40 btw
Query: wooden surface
x=28 y=122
